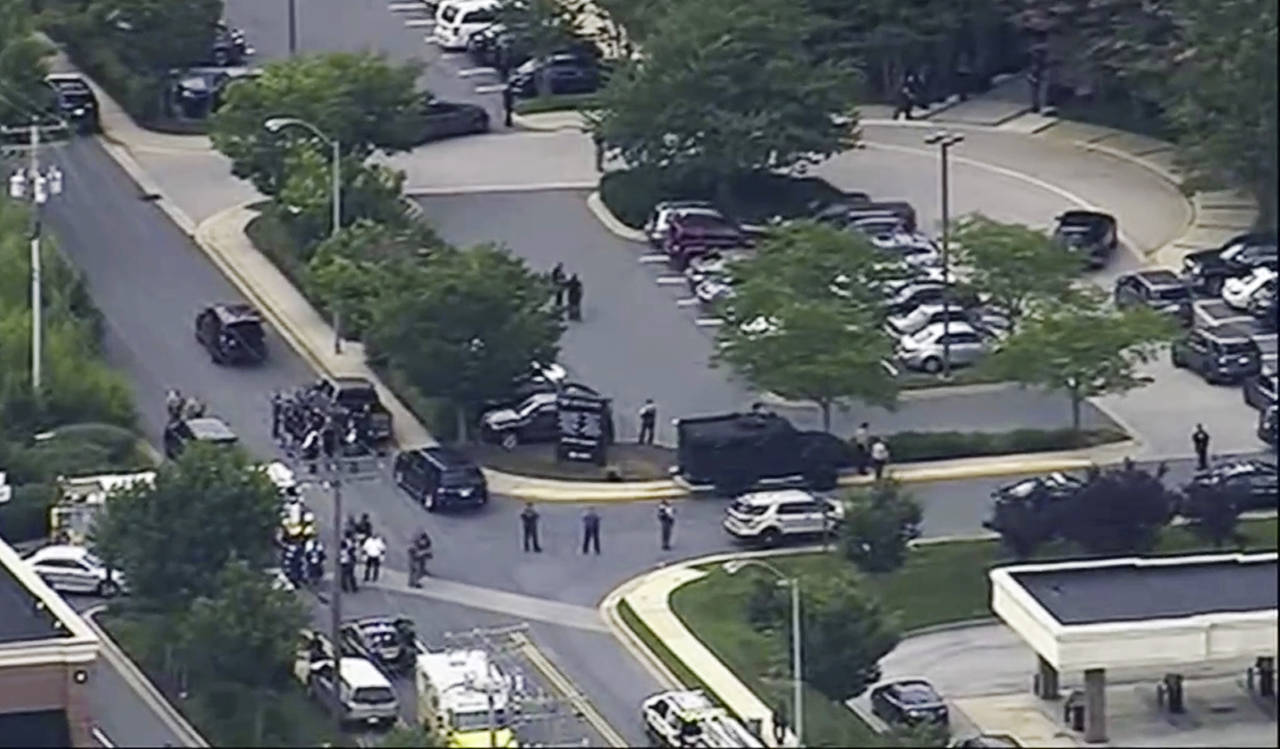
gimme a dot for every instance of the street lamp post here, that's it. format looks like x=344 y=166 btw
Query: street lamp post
x=36 y=186
x=797 y=673
x=275 y=125
x=944 y=140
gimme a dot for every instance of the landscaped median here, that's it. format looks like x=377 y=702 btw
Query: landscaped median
x=672 y=614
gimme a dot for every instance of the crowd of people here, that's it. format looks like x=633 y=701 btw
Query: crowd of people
x=568 y=293
x=306 y=426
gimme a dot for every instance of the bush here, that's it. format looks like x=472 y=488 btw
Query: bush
x=436 y=414
x=879 y=523
x=25 y=517
x=754 y=198
x=554 y=103
x=920 y=446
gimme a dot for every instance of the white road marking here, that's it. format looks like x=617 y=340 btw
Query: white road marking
x=418 y=23
x=670 y=281
x=888 y=367
x=1264 y=336
x=708 y=322
x=653 y=259
x=475 y=72
x=690 y=302
x=403 y=7
x=491 y=88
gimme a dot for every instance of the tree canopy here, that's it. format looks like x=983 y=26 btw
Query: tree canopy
x=156 y=35
x=879 y=523
x=362 y=100
x=1119 y=510
x=23 y=93
x=369 y=191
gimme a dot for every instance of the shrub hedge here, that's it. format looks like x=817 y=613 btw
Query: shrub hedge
x=921 y=446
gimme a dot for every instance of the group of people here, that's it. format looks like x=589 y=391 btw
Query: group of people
x=568 y=292
x=869 y=453
x=530 y=517
x=180 y=407
x=302 y=554
x=303 y=427
x=360 y=544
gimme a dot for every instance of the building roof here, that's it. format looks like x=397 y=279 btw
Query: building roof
x=21 y=615
x=1091 y=595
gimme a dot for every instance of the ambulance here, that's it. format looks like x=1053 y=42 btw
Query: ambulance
x=465 y=698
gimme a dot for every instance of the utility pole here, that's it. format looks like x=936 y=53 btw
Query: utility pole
x=36 y=187
x=293 y=28
x=944 y=141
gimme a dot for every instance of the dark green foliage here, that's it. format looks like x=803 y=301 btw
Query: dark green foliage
x=1214 y=511
x=1025 y=523
x=22 y=65
x=846 y=631
x=25 y=517
x=1119 y=511
x=879 y=523
x=913 y=446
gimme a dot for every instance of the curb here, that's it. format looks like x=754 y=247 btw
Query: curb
x=134 y=676
x=524 y=122
x=611 y=222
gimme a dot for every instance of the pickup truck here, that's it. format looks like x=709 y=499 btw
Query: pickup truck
x=356 y=394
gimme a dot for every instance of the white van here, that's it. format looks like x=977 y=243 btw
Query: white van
x=359 y=692
x=457 y=20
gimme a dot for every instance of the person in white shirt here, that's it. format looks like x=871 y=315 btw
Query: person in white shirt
x=374 y=549
x=879 y=457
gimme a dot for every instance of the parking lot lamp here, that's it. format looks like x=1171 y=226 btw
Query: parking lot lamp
x=944 y=140
x=797 y=674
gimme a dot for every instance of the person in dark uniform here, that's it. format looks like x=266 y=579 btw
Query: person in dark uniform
x=666 y=523
x=1200 y=441
x=419 y=553
x=347 y=561
x=590 y=531
x=508 y=104
x=598 y=142
x=573 y=287
x=558 y=281
x=529 y=528
x=648 y=418
x=173 y=402
x=277 y=409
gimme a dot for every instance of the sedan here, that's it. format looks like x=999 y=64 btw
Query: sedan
x=711 y=266
x=445 y=119
x=73 y=569
x=1090 y=234
x=925 y=315
x=1255 y=478
x=961 y=343
x=658 y=225
x=1237 y=292
x=908 y=701
x=714 y=290
x=1053 y=486
x=564 y=73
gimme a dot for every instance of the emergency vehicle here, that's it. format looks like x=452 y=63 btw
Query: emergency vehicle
x=691 y=719
x=465 y=698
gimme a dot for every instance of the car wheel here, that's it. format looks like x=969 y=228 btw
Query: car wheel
x=771 y=537
x=932 y=365
x=429 y=501
x=108 y=589
x=510 y=440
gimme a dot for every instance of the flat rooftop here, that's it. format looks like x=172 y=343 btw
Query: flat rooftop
x=1092 y=595
x=20 y=620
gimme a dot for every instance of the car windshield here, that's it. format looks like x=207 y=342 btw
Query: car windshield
x=1172 y=293
x=357 y=396
x=460 y=477
x=383 y=637
x=702 y=219
x=93 y=561
x=1236 y=347
x=528 y=408
x=746 y=508
x=246 y=331
x=877 y=227
x=77 y=98
x=916 y=694
x=373 y=695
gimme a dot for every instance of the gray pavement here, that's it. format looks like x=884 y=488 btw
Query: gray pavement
x=121 y=713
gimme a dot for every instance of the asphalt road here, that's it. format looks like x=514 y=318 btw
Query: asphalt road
x=666 y=356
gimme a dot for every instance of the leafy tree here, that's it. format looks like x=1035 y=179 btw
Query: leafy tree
x=173 y=539
x=23 y=93
x=1013 y=264
x=805 y=323
x=728 y=87
x=1118 y=511
x=156 y=35
x=1214 y=511
x=472 y=324
x=632 y=21
x=243 y=631
x=879 y=524
x=1024 y=523
x=848 y=627
x=540 y=27
x=365 y=102
x=369 y=191
x=1082 y=348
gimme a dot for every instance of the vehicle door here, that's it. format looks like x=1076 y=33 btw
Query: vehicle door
x=1197 y=350
x=438 y=121
x=655 y=718
x=796 y=517
x=544 y=423
x=324 y=685
x=54 y=572
x=966 y=347
x=82 y=576
x=427 y=476
x=817 y=517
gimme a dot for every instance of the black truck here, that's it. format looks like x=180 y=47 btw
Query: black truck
x=734 y=453
x=356 y=395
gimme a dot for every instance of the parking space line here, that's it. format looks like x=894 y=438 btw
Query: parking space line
x=403 y=7
x=491 y=88
x=708 y=322
x=670 y=280
x=1256 y=336
x=653 y=258
x=417 y=23
x=690 y=302
x=888 y=367
x=474 y=72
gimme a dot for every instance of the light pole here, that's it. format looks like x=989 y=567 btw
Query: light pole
x=275 y=125
x=797 y=674
x=35 y=186
x=293 y=28
x=944 y=140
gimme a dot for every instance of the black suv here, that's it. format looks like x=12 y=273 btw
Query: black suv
x=1089 y=233
x=440 y=478
x=232 y=333
x=75 y=101
x=1161 y=290
x=1220 y=354
x=1239 y=256
x=1256 y=479
x=565 y=73
x=204 y=429
x=1260 y=390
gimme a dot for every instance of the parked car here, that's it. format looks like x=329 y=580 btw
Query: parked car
x=773 y=516
x=1160 y=290
x=925 y=315
x=1222 y=354
x=1090 y=234
x=229 y=47
x=658 y=225
x=986 y=741
x=1256 y=479
x=1051 y=487
x=380 y=639
x=1269 y=426
x=1260 y=390
x=1208 y=270
x=693 y=233
x=357 y=394
x=714 y=290
x=457 y=20
x=539 y=378
x=356 y=690
x=914 y=294
x=1237 y=292
x=74 y=569
x=198 y=92
x=890 y=235
x=925 y=349
x=564 y=73
x=712 y=265
x=232 y=333
x=691 y=719
x=1263 y=308
x=74 y=101
x=535 y=420
x=179 y=434
x=440 y=478
x=493 y=46
x=908 y=701
x=446 y=119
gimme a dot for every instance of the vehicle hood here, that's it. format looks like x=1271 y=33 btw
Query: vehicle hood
x=1204 y=258
x=500 y=417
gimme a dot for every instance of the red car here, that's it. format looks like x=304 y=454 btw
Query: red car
x=694 y=233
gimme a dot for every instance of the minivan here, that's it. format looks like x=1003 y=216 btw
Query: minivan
x=457 y=20
x=361 y=693
x=440 y=478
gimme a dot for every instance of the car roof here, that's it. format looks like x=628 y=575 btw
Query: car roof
x=1227 y=332
x=211 y=429
x=349 y=381
x=1157 y=277
x=668 y=204
x=58 y=551
x=446 y=458
x=69 y=82
x=898 y=686
x=776 y=497
x=233 y=312
x=952 y=327
x=1082 y=216
x=359 y=672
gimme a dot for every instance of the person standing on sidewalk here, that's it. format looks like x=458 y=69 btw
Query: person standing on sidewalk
x=573 y=287
x=508 y=103
x=598 y=142
x=591 y=531
x=374 y=549
x=666 y=523
x=862 y=447
x=648 y=419
x=879 y=457
x=558 y=281
x=529 y=529
x=277 y=410
x=347 y=563
x=1200 y=441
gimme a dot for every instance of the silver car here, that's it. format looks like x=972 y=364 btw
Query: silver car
x=74 y=569
x=924 y=349
x=925 y=315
